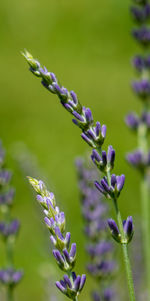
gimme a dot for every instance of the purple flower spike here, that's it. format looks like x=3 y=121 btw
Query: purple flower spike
x=128 y=228
x=114 y=230
x=65 y=258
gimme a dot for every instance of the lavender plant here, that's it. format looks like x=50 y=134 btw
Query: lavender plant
x=140 y=158
x=9 y=228
x=71 y=285
x=94 y=135
x=99 y=248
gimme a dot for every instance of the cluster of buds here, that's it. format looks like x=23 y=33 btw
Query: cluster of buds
x=139 y=159
x=99 y=248
x=8 y=227
x=64 y=255
x=127 y=228
x=133 y=121
x=105 y=161
x=10 y=277
x=113 y=189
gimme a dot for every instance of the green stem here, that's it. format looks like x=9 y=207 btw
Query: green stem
x=125 y=254
x=124 y=247
x=143 y=145
x=146 y=227
x=10 y=294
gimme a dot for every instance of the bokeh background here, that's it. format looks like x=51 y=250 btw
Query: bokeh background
x=87 y=44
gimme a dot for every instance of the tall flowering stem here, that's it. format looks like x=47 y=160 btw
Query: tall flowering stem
x=95 y=211
x=64 y=254
x=9 y=228
x=140 y=158
x=94 y=135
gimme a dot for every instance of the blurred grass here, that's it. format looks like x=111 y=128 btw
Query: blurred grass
x=88 y=45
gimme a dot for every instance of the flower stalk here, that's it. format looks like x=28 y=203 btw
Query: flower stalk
x=94 y=135
x=9 y=228
x=140 y=158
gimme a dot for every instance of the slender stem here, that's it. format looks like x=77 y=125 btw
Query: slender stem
x=10 y=293
x=125 y=254
x=146 y=226
x=124 y=247
x=145 y=199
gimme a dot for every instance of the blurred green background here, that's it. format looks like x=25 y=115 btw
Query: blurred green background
x=87 y=44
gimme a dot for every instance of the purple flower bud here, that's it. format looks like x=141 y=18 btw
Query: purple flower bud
x=103 y=131
x=97 y=128
x=82 y=282
x=100 y=188
x=74 y=97
x=78 y=116
x=105 y=185
x=53 y=77
x=114 y=230
x=95 y=156
x=88 y=116
x=59 y=258
x=73 y=250
x=128 y=228
x=87 y=139
x=120 y=182
x=111 y=156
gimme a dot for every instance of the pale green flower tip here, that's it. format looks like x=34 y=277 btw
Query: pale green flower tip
x=34 y=64
x=35 y=183
x=28 y=56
